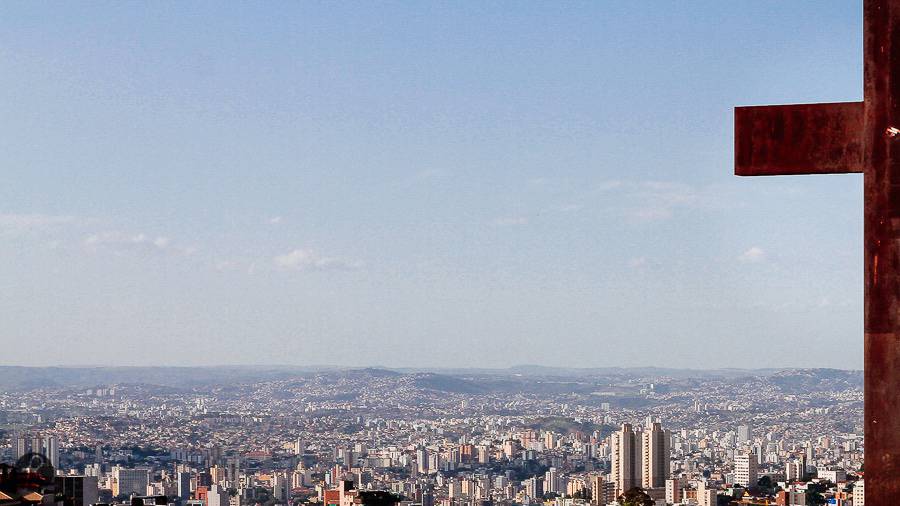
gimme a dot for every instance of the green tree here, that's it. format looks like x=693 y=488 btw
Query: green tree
x=635 y=497
x=582 y=493
x=814 y=498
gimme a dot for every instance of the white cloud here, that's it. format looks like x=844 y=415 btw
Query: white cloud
x=305 y=259
x=753 y=255
x=274 y=220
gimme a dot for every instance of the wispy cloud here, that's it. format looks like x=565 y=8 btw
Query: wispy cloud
x=508 y=221
x=656 y=201
x=20 y=222
x=427 y=174
x=650 y=214
x=753 y=255
x=274 y=220
x=306 y=259
x=120 y=243
x=637 y=262
x=609 y=185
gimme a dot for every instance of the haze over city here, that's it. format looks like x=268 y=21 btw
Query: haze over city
x=465 y=184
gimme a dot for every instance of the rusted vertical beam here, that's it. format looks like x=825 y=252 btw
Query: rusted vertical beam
x=882 y=253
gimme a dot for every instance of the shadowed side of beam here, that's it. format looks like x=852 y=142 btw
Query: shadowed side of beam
x=798 y=139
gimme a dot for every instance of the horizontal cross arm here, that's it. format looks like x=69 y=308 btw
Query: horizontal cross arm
x=798 y=139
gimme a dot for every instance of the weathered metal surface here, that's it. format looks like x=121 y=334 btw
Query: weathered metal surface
x=798 y=139
x=830 y=138
x=882 y=252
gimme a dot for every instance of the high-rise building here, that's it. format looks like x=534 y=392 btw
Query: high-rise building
x=51 y=450
x=454 y=490
x=82 y=490
x=597 y=490
x=656 y=455
x=625 y=459
x=673 y=491
x=37 y=445
x=183 y=485
x=21 y=447
x=859 y=493
x=33 y=444
x=217 y=496
x=795 y=470
x=534 y=487
x=218 y=474
x=281 y=486
x=551 y=481
x=131 y=481
x=232 y=472
x=550 y=440
x=745 y=470
x=299 y=446
x=743 y=434
x=706 y=496
x=422 y=460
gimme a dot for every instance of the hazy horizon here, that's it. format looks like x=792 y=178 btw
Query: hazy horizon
x=472 y=184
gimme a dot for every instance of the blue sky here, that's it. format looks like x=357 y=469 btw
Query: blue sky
x=420 y=184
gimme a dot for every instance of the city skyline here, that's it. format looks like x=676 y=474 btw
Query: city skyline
x=457 y=185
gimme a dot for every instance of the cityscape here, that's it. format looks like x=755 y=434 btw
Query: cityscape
x=449 y=253
x=522 y=436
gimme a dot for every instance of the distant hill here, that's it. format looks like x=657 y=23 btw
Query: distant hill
x=463 y=381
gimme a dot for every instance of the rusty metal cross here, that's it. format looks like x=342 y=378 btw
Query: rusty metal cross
x=854 y=137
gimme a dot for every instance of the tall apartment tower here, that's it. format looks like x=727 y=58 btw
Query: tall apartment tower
x=218 y=474
x=37 y=445
x=743 y=433
x=22 y=446
x=51 y=450
x=422 y=460
x=673 y=491
x=601 y=491
x=184 y=485
x=217 y=496
x=625 y=459
x=745 y=470
x=551 y=481
x=859 y=493
x=232 y=472
x=655 y=452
